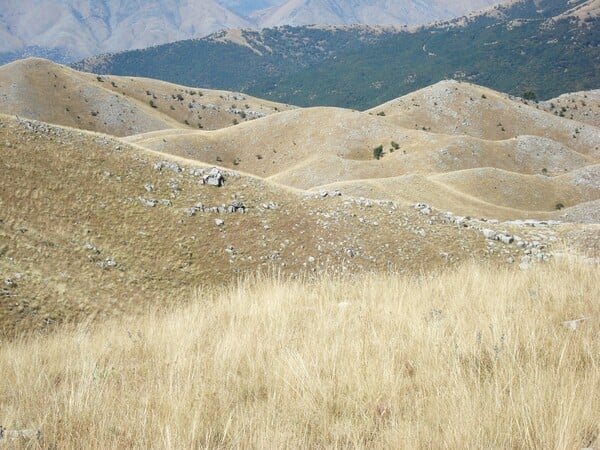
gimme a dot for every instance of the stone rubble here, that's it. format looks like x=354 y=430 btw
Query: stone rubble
x=532 y=249
x=235 y=206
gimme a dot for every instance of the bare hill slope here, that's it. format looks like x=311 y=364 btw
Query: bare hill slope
x=495 y=155
x=583 y=106
x=42 y=90
x=92 y=226
x=453 y=107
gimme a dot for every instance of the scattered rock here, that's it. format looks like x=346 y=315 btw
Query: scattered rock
x=269 y=205
x=489 y=234
x=151 y=202
x=424 y=208
x=573 y=324
x=107 y=263
x=214 y=178
x=91 y=248
x=14 y=435
x=219 y=222
x=167 y=165
x=149 y=187
x=505 y=238
x=236 y=206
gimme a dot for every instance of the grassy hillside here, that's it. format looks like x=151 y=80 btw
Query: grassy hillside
x=474 y=357
x=92 y=227
x=515 y=48
x=40 y=89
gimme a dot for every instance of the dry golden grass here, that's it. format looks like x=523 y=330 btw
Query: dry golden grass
x=475 y=357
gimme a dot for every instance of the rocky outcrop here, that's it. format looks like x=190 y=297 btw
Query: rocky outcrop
x=214 y=178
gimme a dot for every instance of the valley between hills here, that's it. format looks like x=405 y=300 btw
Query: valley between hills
x=119 y=193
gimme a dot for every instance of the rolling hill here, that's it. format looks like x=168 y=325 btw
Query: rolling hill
x=119 y=106
x=92 y=226
x=95 y=223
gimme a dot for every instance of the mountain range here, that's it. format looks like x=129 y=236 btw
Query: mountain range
x=70 y=30
x=545 y=47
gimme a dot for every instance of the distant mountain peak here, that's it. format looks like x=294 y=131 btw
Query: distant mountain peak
x=68 y=30
x=87 y=27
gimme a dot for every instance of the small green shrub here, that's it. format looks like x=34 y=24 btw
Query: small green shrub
x=378 y=152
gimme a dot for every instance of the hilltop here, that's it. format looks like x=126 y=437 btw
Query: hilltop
x=119 y=106
x=502 y=158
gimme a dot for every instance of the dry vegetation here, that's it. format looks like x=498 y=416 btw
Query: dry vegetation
x=455 y=145
x=476 y=357
x=133 y=312
x=581 y=106
x=119 y=106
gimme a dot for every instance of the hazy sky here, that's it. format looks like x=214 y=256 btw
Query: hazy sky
x=247 y=6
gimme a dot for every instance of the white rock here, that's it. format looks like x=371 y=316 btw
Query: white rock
x=489 y=234
x=573 y=324
x=505 y=238
x=524 y=266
